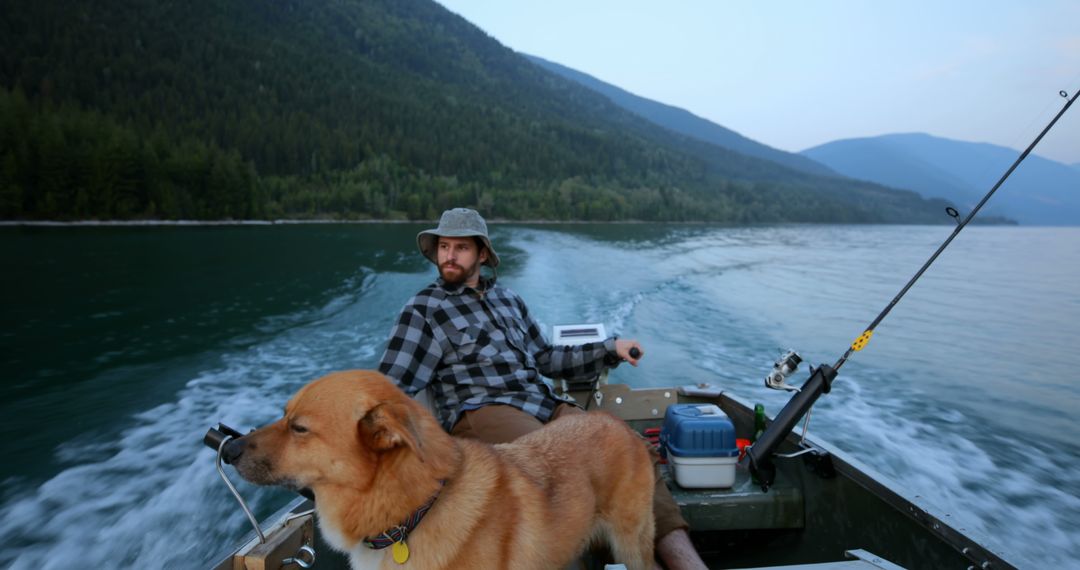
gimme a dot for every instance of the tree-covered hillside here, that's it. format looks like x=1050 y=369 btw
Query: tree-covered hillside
x=203 y=109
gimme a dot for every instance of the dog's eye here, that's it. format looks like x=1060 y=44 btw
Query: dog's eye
x=297 y=428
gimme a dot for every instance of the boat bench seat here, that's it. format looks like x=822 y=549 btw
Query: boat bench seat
x=742 y=507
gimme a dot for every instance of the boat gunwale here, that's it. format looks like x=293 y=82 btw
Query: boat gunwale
x=277 y=522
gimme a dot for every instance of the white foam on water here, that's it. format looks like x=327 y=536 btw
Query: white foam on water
x=992 y=485
x=152 y=498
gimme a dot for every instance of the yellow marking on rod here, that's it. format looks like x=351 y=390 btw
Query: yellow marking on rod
x=862 y=340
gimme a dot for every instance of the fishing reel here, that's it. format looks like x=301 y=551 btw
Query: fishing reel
x=784 y=366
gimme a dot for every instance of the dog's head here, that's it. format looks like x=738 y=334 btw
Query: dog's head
x=341 y=430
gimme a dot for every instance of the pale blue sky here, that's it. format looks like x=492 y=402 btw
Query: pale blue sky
x=797 y=74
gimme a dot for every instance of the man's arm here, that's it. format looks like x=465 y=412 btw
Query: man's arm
x=412 y=355
x=581 y=362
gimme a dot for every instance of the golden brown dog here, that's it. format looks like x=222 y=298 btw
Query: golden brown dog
x=373 y=457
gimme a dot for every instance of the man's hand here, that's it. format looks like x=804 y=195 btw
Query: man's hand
x=623 y=347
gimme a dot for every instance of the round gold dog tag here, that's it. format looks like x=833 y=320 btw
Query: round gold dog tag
x=401 y=552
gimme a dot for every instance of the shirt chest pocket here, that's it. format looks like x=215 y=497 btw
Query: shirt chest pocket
x=511 y=323
x=473 y=345
x=518 y=335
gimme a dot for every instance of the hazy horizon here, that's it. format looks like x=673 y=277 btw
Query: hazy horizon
x=794 y=76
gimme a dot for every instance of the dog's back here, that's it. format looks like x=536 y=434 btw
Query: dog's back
x=539 y=502
x=608 y=468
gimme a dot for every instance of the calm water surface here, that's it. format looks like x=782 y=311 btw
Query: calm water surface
x=121 y=346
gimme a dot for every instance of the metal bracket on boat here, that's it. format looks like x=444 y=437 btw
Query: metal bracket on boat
x=566 y=388
x=305 y=549
x=820 y=462
x=817 y=460
x=221 y=436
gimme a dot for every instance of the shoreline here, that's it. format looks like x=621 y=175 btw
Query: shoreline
x=93 y=223
x=493 y=221
x=9 y=223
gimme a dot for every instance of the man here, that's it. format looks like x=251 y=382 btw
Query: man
x=475 y=345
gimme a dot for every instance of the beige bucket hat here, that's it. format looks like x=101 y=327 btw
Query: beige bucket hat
x=457 y=222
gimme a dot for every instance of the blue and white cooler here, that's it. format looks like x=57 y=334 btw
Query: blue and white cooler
x=699 y=443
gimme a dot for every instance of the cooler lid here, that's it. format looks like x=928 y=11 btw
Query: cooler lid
x=698 y=430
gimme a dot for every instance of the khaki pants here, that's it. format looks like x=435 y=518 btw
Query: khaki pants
x=501 y=424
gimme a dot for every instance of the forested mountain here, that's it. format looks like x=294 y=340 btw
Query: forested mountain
x=119 y=109
x=1041 y=191
x=685 y=122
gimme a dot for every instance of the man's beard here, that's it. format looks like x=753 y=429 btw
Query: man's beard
x=458 y=276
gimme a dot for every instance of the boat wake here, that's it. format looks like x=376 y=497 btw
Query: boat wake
x=152 y=498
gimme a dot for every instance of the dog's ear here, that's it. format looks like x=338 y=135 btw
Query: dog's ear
x=389 y=425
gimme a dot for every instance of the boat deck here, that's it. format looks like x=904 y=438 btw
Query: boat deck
x=742 y=507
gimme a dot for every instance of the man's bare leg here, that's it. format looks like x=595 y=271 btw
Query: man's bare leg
x=676 y=552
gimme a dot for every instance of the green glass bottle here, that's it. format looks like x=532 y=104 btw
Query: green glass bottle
x=759 y=428
x=759 y=421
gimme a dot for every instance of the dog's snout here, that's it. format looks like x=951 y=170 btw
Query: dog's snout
x=233 y=450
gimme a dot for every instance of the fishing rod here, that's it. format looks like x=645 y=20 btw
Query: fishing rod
x=820 y=381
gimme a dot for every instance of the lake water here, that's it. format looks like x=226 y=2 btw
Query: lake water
x=122 y=345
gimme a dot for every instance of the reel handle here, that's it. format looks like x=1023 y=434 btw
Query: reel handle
x=215 y=435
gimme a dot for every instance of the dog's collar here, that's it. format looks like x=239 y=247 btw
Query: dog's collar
x=400 y=532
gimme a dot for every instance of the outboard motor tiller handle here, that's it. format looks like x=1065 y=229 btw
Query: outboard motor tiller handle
x=215 y=435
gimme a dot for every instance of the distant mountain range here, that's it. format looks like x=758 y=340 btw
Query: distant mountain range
x=932 y=173
x=685 y=122
x=1039 y=192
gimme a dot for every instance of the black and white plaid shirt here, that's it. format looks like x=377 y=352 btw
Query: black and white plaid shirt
x=477 y=348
